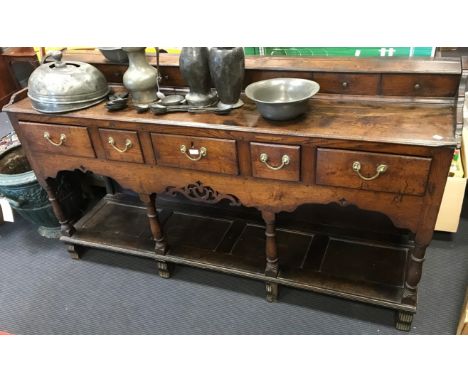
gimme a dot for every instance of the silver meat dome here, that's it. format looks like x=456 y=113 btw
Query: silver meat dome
x=61 y=86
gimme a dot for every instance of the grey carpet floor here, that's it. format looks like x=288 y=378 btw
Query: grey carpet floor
x=43 y=291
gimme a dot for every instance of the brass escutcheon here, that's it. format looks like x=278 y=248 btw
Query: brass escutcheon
x=202 y=153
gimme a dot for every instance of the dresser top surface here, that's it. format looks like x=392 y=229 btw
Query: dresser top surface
x=402 y=122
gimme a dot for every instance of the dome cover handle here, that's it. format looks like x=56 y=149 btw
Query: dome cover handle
x=56 y=56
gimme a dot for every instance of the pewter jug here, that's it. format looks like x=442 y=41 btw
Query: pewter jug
x=140 y=78
x=193 y=64
x=227 y=66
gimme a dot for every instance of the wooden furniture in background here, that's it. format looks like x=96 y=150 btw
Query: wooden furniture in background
x=8 y=81
x=378 y=141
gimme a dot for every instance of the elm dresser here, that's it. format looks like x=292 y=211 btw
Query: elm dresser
x=378 y=138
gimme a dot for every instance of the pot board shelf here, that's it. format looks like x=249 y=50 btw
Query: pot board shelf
x=333 y=265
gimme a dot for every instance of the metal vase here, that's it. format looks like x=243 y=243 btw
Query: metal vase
x=194 y=67
x=140 y=78
x=227 y=67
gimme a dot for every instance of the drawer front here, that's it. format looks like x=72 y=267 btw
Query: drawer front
x=205 y=154
x=57 y=139
x=423 y=85
x=372 y=171
x=121 y=145
x=272 y=161
x=344 y=83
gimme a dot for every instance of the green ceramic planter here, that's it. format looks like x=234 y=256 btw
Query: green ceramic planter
x=19 y=185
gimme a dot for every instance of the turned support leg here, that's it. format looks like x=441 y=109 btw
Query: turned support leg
x=160 y=244
x=271 y=255
x=403 y=320
x=413 y=273
x=66 y=227
x=74 y=251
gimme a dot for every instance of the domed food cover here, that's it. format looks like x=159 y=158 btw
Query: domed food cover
x=62 y=86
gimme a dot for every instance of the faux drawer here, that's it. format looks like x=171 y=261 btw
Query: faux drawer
x=121 y=145
x=57 y=139
x=273 y=161
x=205 y=154
x=422 y=85
x=403 y=174
x=344 y=83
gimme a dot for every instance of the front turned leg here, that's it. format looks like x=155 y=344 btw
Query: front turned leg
x=160 y=244
x=66 y=227
x=413 y=274
x=410 y=293
x=272 y=268
x=403 y=320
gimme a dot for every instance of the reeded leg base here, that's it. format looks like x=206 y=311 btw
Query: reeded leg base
x=74 y=251
x=164 y=270
x=403 y=320
x=271 y=292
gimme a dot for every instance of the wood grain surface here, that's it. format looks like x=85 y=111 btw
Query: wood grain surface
x=290 y=171
x=221 y=154
x=76 y=142
x=120 y=137
x=425 y=124
x=404 y=175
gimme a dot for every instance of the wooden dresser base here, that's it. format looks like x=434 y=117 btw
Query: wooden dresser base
x=200 y=237
x=378 y=137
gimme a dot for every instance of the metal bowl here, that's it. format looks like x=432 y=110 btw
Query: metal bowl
x=114 y=54
x=281 y=99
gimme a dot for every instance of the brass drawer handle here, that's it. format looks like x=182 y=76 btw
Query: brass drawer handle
x=201 y=153
x=284 y=161
x=381 y=168
x=128 y=145
x=63 y=137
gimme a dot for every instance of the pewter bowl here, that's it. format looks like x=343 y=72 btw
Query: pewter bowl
x=114 y=54
x=281 y=99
